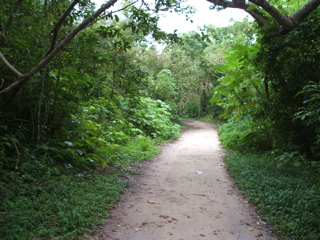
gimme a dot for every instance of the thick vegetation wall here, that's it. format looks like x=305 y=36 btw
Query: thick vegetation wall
x=69 y=136
x=270 y=96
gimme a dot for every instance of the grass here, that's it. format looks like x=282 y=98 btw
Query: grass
x=287 y=196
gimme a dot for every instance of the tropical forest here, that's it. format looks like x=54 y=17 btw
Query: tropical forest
x=88 y=91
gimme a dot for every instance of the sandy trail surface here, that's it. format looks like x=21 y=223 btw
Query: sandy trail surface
x=185 y=193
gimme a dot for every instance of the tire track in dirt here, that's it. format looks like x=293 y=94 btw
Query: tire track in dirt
x=190 y=194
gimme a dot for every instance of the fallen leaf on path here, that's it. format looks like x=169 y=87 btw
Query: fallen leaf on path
x=152 y=202
x=170 y=233
x=249 y=228
x=114 y=230
x=169 y=221
x=164 y=216
x=174 y=219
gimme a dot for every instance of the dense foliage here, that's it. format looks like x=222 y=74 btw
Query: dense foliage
x=290 y=64
x=270 y=94
x=78 y=125
x=79 y=122
x=272 y=85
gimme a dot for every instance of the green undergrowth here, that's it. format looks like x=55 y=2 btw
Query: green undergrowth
x=43 y=200
x=287 y=196
x=56 y=207
x=244 y=136
x=284 y=187
x=64 y=185
x=140 y=149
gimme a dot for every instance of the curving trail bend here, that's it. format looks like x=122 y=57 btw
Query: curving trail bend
x=185 y=193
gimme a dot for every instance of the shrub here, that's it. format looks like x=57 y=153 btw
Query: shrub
x=243 y=136
x=140 y=148
x=154 y=118
x=191 y=110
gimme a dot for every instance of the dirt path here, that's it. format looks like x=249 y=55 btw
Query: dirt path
x=185 y=193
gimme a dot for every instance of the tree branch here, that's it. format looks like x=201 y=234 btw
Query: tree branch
x=56 y=28
x=7 y=93
x=12 y=68
x=303 y=12
x=287 y=23
x=298 y=16
x=223 y=3
x=274 y=12
x=70 y=36
x=231 y=4
x=10 y=19
x=124 y=8
x=257 y=16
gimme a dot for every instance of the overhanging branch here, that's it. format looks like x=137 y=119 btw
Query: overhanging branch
x=7 y=93
x=287 y=23
x=298 y=16
x=257 y=16
x=12 y=68
x=70 y=36
x=281 y=19
x=235 y=4
x=222 y=3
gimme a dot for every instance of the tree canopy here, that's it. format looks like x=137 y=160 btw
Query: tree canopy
x=287 y=14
